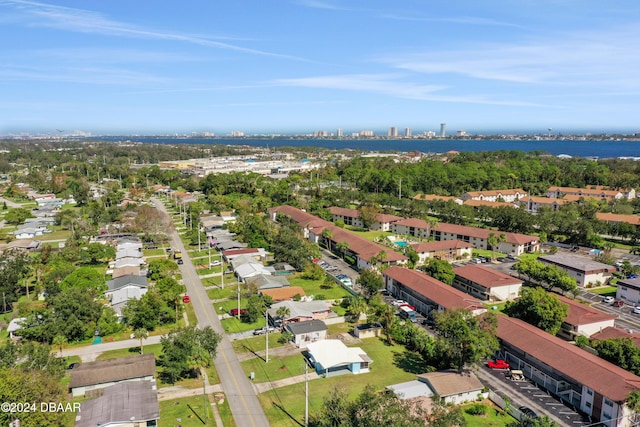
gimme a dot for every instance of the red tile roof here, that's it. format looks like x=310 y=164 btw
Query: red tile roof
x=431 y=197
x=231 y=252
x=611 y=332
x=483 y=233
x=442 y=294
x=583 y=367
x=488 y=203
x=365 y=249
x=506 y=192
x=485 y=276
x=582 y=314
x=611 y=217
x=441 y=245
x=283 y=294
x=353 y=213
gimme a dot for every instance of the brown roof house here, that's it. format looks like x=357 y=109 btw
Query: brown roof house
x=594 y=386
x=89 y=376
x=452 y=386
x=486 y=284
x=583 y=319
x=448 y=250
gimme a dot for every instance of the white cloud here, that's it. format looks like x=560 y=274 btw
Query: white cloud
x=85 y=21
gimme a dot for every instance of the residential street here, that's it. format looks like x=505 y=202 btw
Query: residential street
x=240 y=393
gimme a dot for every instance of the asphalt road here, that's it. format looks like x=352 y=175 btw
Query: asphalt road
x=244 y=404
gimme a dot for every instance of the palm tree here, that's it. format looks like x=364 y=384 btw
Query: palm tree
x=633 y=403
x=141 y=334
x=59 y=340
x=357 y=306
x=342 y=248
x=283 y=313
x=327 y=235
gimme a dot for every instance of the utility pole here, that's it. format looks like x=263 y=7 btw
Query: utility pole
x=266 y=318
x=306 y=394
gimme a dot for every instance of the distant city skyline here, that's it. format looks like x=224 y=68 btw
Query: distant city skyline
x=300 y=66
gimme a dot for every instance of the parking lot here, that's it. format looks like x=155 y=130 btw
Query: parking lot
x=526 y=393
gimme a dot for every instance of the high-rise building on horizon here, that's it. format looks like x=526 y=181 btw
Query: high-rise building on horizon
x=443 y=130
x=339 y=133
x=393 y=132
x=407 y=132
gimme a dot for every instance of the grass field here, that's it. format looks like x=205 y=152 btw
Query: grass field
x=314 y=287
x=257 y=343
x=493 y=418
x=392 y=364
x=605 y=291
x=182 y=412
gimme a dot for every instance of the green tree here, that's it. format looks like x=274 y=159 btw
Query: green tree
x=141 y=334
x=95 y=253
x=283 y=312
x=160 y=268
x=342 y=247
x=370 y=282
x=31 y=385
x=539 y=308
x=633 y=402
x=327 y=235
x=178 y=348
x=463 y=339
x=369 y=408
x=440 y=270
x=87 y=279
x=621 y=352
x=256 y=306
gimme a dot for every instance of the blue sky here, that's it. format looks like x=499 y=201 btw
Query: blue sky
x=152 y=67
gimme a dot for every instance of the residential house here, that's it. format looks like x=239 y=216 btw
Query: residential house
x=585 y=270
x=611 y=218
x=628 y=290
x=89 y=376
x=428 y=295
x=332 y=357
x=305 y=333
x=448 y=250
x=367 y=330
x=489 y=204
x=22 y=245
x=267 y=281
x=455 y=387
x=596 y=387
x=133 y=270
x=299 y=311
x=127 y=262
x=486 y=284
x=352 y=217
x=124 y=288
x=611 y=332
x=507 y=195
x=415 y=227
x=514 y=243
x=283 y=294
x=583 y=319
x=596 y=191
x=122 y=405
x=258 y=254
x=435 y=197
x=533 y=204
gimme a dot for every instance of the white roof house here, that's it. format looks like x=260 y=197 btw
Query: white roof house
x=15 y=325
x=250 y=269
x=332 y=356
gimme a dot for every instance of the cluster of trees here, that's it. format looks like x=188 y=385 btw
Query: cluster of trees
x=30 y=372
x=159 y=306
x=540 y=308
x=186 y=350
x=549 y=275
x=373 y=408
x=620 y=351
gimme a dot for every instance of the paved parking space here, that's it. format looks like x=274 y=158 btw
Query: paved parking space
x=526 y=393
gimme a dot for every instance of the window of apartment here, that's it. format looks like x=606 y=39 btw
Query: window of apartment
x=608 y=402
x=623 y=288
x=590 y=392
x=588 y=404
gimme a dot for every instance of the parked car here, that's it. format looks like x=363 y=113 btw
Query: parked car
x=498 y=364
x=215 y=263
x=180 y=261
x=608 y=300
x=528 y=412
x=186 y=299
x=408 y=306
x=618 y=303
x=341 y=276
x=263 y=330
x=347 y=281
x=398 y=302
x=234 y=311
x=636 y=310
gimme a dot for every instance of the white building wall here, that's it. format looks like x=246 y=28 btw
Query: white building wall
x=630 y=295
x=592 y=328
x=505 y=293
x=464 y=397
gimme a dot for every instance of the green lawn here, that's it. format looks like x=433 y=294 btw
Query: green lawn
x=493 y=418
x=153 y=252
x=313 y=287
x=370 y=235
x=181 y=412
x=257 y=343
x=233 y=325
x=278 y=367
x=230 y=281
x=156 y=349
x=229 y=290
x=392 y=364
x=604 y=290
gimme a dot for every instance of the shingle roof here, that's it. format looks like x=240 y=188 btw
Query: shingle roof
x=483 y=233
x=121 y=403
x=442 y=294
x=577 y=262
x=583 y=367
x=282 y=294
x=306 y=327
x=129 y=279
x=104 y=371
x=447 y=383
x=486 y=277
x=582 y=314
x=611 y=217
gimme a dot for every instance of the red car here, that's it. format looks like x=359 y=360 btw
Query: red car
x=234 y=311
x=186 y=299
x=498 y=364
x=409 y=306
x=618 y=303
